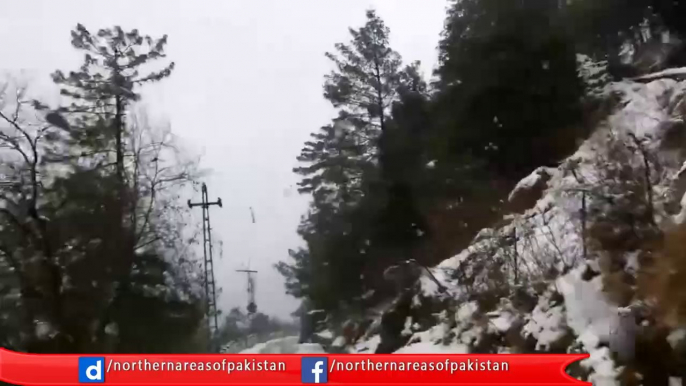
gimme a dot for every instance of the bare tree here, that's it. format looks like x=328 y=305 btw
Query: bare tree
x=67 y=285
x=157 y=173
x=37 y=268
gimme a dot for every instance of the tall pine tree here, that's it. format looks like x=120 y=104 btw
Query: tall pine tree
x=354 y=176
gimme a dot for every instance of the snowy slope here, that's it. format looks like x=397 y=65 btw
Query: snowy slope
x=542 y=254
x=571 y=311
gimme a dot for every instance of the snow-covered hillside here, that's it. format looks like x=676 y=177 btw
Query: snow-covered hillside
x=537 y=283
x=546 y=245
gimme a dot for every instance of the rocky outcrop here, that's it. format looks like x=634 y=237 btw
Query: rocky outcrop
x=529 y=190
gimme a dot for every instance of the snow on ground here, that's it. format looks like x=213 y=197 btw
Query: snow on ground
x=339 y=342
x=588 y=313
x=288 y=345
x=546 y=323
x=367 y=346
x=433 y=341
x=326 y=334
x=604 y=370
x=432 y=348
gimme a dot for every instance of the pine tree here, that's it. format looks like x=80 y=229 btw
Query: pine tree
x=366 y=79
x=102 y=93
x=106 y=84
x=172 y=315
x=510 y=92
x=335 y=163
x=351 y=174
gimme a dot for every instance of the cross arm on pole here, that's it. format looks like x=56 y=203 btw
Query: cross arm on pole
x=206 y=205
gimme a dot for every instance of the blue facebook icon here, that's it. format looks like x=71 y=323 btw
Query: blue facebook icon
x=314 y=369
x=91 y=370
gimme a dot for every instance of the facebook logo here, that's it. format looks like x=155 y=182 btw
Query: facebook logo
x=314 y=369
x=91 y=370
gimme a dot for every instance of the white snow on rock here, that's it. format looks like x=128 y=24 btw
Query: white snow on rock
x=326 y=334
x=339 y=342
x=530 y=181
x=667 y=72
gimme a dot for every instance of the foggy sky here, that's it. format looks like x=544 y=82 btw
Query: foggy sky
x=246 y=94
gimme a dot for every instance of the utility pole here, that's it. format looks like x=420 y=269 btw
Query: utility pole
x=210 y=289
x=252 y=306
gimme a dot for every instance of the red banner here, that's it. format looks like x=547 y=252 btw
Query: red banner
x=287 y=369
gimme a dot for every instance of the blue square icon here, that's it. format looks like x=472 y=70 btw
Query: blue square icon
x=91 y=370
x=314 y=369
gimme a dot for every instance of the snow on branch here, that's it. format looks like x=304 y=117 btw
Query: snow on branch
x=671 y=73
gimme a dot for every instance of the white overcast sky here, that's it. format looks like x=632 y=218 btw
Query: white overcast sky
x=246 y=93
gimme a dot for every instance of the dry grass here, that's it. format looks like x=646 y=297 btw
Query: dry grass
x=621 y=212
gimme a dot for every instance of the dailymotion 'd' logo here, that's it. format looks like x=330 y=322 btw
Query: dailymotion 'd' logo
x=91 y=370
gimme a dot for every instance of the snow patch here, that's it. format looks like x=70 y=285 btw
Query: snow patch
x=288 y=345
x=502 y=321
x=604 y=371
x=367 y=346
x=546 y=324
x=587 y=310
x=677 y=337
x=339 y=342
x=44 y=330
x=432 y=348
